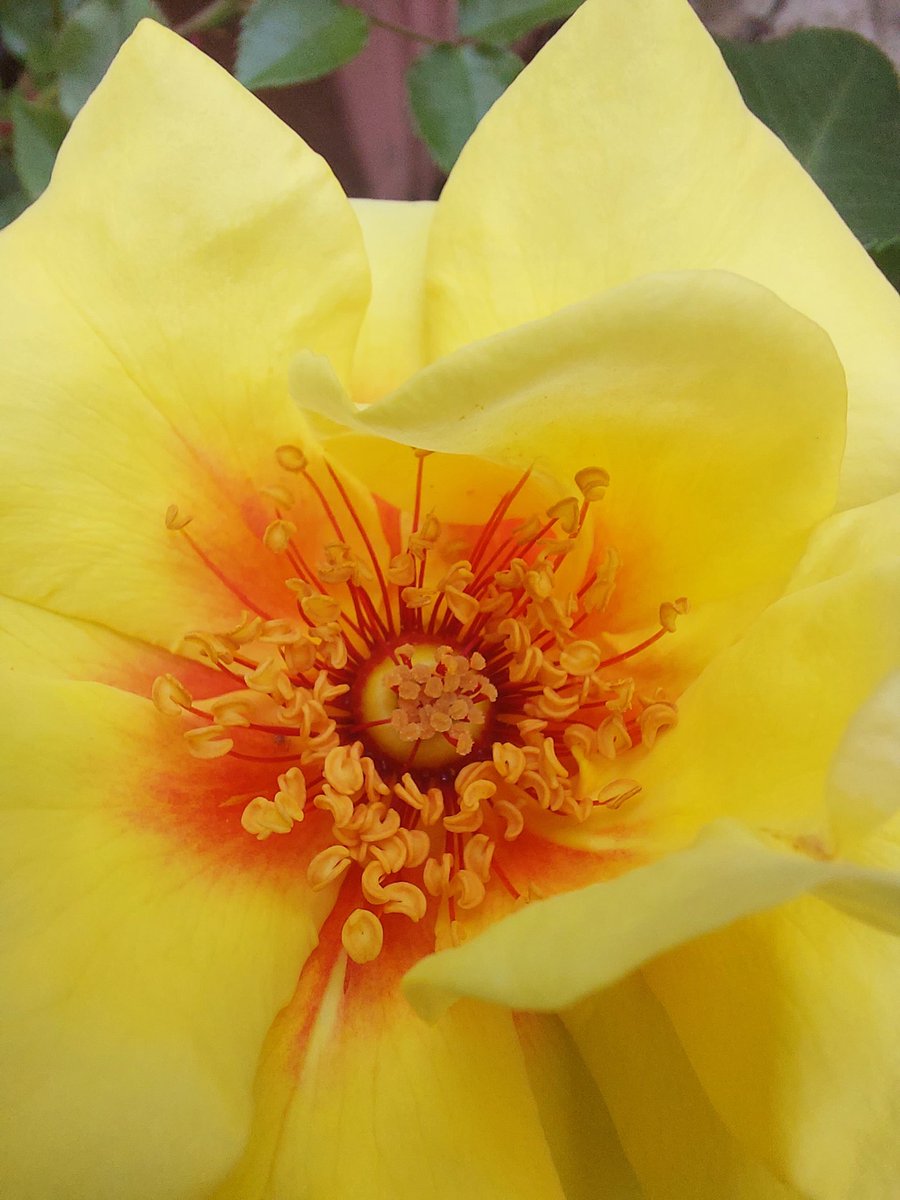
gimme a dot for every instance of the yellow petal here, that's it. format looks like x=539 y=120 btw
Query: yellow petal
x=357 y=1097
x=759 y=728
x=790 y=1021
x=717 y=411
x=580 y=1133
x=587 y=939
x=150 y=303
x=673 y=1136
x=625 y=149
x=864 y=778
x=148 y=946
x=391 y=341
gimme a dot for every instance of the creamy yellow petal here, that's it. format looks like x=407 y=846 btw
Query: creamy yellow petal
x=677 y=1142
x=391 y=343
x=717 y=411
x=790 y=1021
x=149 y=306
x=582 y=1138
x=758 y=730
x=357 y=1097
x=587 y=939
x=147 y=946
x=863 y=785
x=625 y=149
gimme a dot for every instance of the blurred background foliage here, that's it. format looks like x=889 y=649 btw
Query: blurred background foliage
x=389 y=90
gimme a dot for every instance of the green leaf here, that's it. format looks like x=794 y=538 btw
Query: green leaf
x=451 y=88
x=292 y=41
x=89 y=42
x=887 y=258
x=25 y=25
x=12 y=197
x=834 y=100
x=505 y=20
x=38 y=131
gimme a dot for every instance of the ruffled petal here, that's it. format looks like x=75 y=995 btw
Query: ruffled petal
x=391 y=344
x=358 y=1097
x=659 y=167
x=758 y=730
x=588 y=939
x=717 y=411
x=677 y=1143
x=790 y=1021
x=150 y=305
x=582 y=1138
x=148 y=944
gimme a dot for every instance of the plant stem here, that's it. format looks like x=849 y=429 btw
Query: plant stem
x=211 y=15
x=403 y=30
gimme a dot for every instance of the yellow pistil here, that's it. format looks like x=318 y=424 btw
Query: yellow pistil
x=424 y=712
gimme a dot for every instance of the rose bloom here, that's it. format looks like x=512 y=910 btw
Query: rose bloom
x=449 y=737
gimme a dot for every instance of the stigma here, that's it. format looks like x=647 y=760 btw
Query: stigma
x=430 y=691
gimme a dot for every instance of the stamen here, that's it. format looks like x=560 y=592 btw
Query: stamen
x=425 y=709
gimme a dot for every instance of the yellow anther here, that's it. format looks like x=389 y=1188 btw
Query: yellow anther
x=209 y=742
x=425 y=537
x=436 y=875
x=397 y=897
x=670 y=612
x=581 y=658
x=463 y=606
x=174 y=520
x=327 y=866
x=592 y=482
x=362 y=936
x=278 y=535
x=300 y=656
x=319 y=608
x=279 y=632
x=262 y=818
x=477 y=855
x=509 y=760
x=613 y=737
x=170 y=695
x=380 y=823
x=467 y=888
x=550 y=761
x=270 y=678
x=246 y=630
x=291 y=458
x=343 y=769
x=233 y=710
x=401 y=570
x=214 y=647
x=616 y=793
x=580 y=737
x=538 y=582
x=566 y=513
x=654 y=719
x=338 y=804
x=416 y=597
x=390 y=855
x=417 y=844
x=551 y=704
x=512 y=817
x=291 y=794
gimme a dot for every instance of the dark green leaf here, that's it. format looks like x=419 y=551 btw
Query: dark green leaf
x=292 y=41
x=887 y=258
x=450 y=90
x=12 y=197
x=38 y=131
x=834 y=100
x=505 y=20
x=89 y=42
x=25 y=25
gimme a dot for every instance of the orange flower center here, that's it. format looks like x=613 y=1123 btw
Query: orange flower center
x=423 y=705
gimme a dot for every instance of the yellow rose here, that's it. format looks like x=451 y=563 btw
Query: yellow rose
x=569 y=655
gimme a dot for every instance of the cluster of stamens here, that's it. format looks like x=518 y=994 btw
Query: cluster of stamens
x=425 y=705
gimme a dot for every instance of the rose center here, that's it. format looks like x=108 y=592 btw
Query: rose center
x=425 y=704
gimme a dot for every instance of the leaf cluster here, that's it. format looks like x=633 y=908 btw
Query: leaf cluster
x=832 y=97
